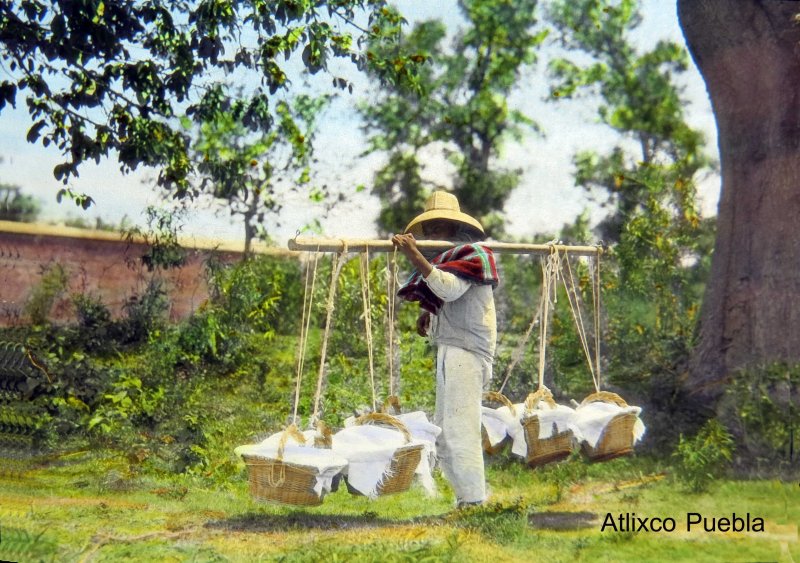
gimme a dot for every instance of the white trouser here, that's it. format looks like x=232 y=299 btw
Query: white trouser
x=461 y=377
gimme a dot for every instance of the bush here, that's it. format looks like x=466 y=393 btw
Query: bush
x=763 y=407
x=261 y=295
x=46 y=293
x=94 y=321
x=704 y=458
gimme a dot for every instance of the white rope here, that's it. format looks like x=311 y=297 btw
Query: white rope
x=391 y=301
x=366 y=298
x=305 y=322
x=550 y=269
x=596 y=298
x=336 y=267
x=519 y=351
x=575 y=309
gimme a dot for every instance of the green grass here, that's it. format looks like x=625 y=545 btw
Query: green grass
x=91 y=507
x=97 y=505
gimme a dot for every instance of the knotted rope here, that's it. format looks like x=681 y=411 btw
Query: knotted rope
x=596 y=299
x=550 y=272
x=519 y=351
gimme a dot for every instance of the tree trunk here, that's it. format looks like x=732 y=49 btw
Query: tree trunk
x=748 y=52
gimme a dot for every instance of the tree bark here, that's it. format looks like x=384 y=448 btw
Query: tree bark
x=748 y=52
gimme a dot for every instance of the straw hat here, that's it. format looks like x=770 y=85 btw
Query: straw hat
x=444 y=206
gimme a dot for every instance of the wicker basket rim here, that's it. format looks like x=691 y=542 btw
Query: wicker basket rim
x=604 y=397
x=498 y=397
x=261 y=461
x=384 y=418
x=533 y=399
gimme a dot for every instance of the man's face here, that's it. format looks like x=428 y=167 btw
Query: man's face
x=439 y=229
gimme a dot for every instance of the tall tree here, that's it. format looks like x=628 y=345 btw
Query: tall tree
x=252 y=172
x=103 y=76
x=16 y=206
x=747 y=52
x=460 y=112
x=648 y=179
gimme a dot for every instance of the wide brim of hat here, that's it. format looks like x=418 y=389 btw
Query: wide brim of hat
x=415 y=226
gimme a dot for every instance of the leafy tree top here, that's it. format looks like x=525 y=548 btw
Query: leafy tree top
x=102 y=77
x=459 y=109
x=16 y=206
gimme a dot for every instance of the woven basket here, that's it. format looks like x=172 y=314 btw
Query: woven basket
x=617 y=437
x=400 y=473
x=274 y=480
x=547 y=450
x=496 y=397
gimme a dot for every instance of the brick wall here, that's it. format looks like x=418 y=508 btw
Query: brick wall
x=100 y=264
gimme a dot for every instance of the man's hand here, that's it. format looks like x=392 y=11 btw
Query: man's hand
x=407 y=244
x=423 y=323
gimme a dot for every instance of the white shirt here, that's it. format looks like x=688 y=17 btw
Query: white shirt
x=467 y=319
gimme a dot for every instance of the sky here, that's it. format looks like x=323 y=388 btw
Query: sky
x=545 y=200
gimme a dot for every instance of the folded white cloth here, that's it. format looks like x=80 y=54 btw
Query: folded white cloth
x=423 y=430
x=498 y=423
x=419 y=426
x=592 y=419
x=554 y=420
x=368 y=450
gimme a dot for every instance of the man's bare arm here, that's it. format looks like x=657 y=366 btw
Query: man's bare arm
x=407 y=244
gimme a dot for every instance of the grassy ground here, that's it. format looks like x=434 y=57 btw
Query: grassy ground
x=89 y=506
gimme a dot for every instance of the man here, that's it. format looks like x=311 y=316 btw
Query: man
x=454 y=290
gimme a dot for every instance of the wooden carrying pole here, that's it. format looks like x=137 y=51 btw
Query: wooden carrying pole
x=311 y=244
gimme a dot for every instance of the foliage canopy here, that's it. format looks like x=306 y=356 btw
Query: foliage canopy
x=647 y=180
x=16 y=206
x=460 y=111
x=105 y=76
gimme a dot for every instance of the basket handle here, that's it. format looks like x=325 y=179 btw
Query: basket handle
x=383 y=418
x=271 y=480
x=391 y=402
x=292 y=431
x=498 y=397
x=542 y=394
x=605 y=397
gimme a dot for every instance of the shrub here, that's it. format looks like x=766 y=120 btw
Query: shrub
x=91 y=311
x=763 y=406
x=94 y=321
x=143 y=313
x=46 y=293
x=704 y=458
x=163 y=250
x=261 y=295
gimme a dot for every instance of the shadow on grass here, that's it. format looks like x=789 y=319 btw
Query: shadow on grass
x=301 y=520
x=562 y=521
x=256 y=522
